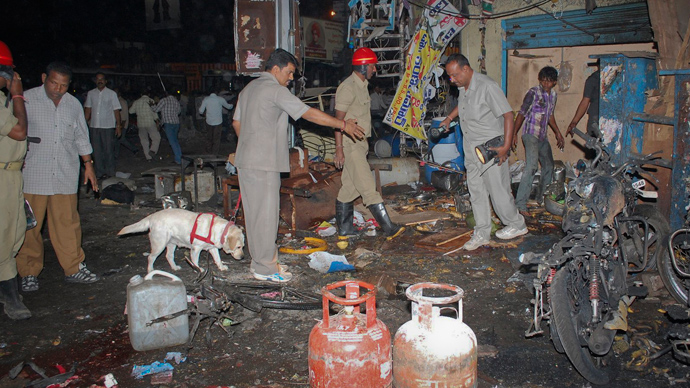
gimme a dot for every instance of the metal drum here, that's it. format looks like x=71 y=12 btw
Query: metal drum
x=350 y=349
x=433 y=350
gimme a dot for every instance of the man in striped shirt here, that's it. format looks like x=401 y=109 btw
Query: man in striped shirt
x=537 y=114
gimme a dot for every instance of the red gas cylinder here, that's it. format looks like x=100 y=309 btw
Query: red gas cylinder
x=350 y=349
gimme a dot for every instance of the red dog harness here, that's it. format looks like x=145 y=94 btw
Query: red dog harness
x=207 y=239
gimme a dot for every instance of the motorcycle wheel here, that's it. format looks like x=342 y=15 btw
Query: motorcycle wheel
x=674 y=283
x=570 y=312
x=658 y=229
x=557 y=344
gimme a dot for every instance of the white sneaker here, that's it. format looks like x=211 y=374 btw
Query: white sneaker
x=509 y=232
x=475 y=242
x=283 y=268
x=278 y=277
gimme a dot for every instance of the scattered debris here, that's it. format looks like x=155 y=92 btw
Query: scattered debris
x=45 y=381
x=309 y=245
x=139 y=371
x=326 y=229
x=325 y=262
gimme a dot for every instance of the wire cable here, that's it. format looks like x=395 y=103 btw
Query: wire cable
x=483 y=17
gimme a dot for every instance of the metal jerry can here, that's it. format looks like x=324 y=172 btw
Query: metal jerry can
x=350 y=349
x=433 y=350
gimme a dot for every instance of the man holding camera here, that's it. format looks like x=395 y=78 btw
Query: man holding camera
x=484 y=114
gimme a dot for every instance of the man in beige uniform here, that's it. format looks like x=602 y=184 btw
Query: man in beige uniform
x=261 y=124
x=352 y=101
x=12 y=150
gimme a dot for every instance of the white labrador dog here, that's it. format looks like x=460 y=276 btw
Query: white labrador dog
x=171 y=228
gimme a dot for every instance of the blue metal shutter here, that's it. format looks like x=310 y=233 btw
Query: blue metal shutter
x=627 y=23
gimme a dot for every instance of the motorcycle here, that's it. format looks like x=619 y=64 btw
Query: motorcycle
x=585 y=282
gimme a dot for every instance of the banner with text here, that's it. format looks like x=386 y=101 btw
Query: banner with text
x=324 y=39
x=439 y=24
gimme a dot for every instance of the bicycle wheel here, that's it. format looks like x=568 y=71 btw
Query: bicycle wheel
x=256 y=297
x=658 y=229
x=674 y=282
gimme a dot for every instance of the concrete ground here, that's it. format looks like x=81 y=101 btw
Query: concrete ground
x=85 y=326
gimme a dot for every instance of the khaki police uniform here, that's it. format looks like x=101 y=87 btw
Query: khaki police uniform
x=352 y=97
x=13 y=219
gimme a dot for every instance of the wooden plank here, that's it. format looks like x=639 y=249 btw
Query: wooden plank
x=406 y=219
x=445 y=241
x=456 y=237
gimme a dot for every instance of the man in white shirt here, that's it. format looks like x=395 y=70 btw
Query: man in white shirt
x=51 y=178
x=213 y=106
x=102 y=112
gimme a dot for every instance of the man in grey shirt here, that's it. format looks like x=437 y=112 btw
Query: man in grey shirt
x=261 y=124
x=485 y=113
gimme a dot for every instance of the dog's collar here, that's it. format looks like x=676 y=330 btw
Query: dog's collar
x=225 y=231
x=206 y=239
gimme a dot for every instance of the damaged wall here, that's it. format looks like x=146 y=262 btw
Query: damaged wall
x=523 y=69
x=470 y=37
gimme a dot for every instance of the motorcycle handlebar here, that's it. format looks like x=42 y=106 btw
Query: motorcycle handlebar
x=580 y=134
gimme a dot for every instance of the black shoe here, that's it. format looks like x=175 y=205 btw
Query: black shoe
x=344 y=215
x=9 y=296
x=384 y=221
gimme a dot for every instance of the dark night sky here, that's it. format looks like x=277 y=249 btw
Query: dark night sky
x=83 y=32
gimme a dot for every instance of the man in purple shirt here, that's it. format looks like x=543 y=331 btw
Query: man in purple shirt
x=537 y=114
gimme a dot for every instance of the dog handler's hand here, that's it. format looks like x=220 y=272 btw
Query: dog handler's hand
x=90 y=176
x=354 y=130
x=339 y=159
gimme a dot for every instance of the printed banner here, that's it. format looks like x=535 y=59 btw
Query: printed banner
x=439 y=24
x=324 y=39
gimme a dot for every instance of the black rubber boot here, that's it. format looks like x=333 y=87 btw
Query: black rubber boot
x=9 y=296
x=344 y=214
x=381 y=216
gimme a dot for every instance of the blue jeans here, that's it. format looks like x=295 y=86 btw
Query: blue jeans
x=171 y=131
x=536 y=152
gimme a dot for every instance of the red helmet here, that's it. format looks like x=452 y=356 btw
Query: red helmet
x=5 y=55
x=364 y=56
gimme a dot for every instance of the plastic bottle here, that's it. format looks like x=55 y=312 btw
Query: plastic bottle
x=149 y=299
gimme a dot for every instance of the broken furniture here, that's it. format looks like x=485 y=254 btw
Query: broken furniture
x=307 y=195
x=302 y=201
x=199 y=161
x=309 y=192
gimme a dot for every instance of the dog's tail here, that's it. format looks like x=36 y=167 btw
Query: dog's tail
x=141 y=226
